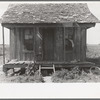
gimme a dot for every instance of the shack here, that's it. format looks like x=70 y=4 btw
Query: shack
x=50 y=32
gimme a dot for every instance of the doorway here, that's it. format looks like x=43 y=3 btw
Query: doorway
x=48 y=43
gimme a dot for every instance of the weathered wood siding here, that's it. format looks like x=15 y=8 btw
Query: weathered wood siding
x=12 y=44
x=21 y=43
x=77 y=44
x=59 y=44
x=17 y=50
x=83 y=44
x=38 y=45
x=52 y=44
x=80 y=44
x=17 y=43
x=29 y=54
x=69 y=55
x=79 y=39
x=78 y=53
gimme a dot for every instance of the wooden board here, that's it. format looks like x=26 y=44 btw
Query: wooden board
x=12 y=44
x=17 y=44
x=83 y=44
x=77 y=44
x=59 y=44
x=69 y=32
x=27 y=55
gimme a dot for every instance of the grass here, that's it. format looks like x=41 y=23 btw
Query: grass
x=75 y=75
x=93 y=54
x=36 y=78
x=6 y=53
x=93 y=51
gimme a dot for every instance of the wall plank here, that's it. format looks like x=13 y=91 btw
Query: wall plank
x=59 y=44
x=83 y=44
x=21 y=43
x=69 y=32
x=17 y=44
x=77 y=43
x=12 y=44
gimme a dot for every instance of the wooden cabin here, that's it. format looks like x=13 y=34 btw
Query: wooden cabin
x=51 y=32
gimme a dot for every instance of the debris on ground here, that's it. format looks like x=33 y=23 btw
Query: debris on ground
x=76 y=75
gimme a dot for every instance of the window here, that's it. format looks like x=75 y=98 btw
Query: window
x=28 y=40
x=69 y=44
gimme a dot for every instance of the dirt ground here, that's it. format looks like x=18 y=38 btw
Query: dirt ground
x=3 y=78
x=19 y=78
x=86 y=78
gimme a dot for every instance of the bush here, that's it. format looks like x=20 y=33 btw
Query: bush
x=65 y=74
x=27 y=78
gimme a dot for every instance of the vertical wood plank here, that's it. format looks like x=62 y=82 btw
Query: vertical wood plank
x=74 y=52
x=17 y=44
x=77 y=43
x=32 y=56
x=64 y=43
x=10 y=49
x=38 y=44
x=59 y=44
x=69 y=32
x=3 y=45
x=12 y=44
x=21 y=44
x=34 y=44
x=66 y=36
x=83 y=44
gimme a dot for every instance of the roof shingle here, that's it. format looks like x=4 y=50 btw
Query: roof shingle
x=48 y=13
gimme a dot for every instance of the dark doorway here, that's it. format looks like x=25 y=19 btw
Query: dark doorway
x=48 y=44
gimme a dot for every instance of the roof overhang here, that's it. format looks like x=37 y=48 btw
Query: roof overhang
x=67 y=24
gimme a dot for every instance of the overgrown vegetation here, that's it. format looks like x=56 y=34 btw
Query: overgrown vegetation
x=30 y=74
x=93 y=54
x=36 y=78
x=77 y=75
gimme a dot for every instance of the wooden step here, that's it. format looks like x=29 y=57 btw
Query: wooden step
x=46 y=67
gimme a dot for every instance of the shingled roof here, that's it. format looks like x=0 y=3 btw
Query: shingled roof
x=48 y=13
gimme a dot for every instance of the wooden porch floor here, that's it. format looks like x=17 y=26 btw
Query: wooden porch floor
x=22 y=64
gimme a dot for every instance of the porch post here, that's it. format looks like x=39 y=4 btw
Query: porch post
x=34 y=42
x=3 y=45
x=64 y=43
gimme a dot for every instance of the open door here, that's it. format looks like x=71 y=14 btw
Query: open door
x=48 y=44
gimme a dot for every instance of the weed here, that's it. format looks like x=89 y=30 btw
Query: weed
x=27 y=78
x=65 y=74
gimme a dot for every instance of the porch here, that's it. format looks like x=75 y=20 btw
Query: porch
x=45 y=65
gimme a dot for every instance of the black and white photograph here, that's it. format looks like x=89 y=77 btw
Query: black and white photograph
x=49 y=42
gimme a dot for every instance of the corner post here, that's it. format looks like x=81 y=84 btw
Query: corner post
x=3 y=45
